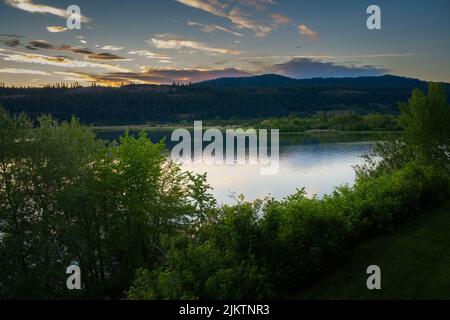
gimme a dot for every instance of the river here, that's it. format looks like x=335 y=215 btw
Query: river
x=316 y=161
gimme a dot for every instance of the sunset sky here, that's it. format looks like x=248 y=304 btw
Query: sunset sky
x=161 y=41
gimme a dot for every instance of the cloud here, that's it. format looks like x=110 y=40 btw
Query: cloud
x=10 y=42
x=382 y=55
x=211 y=6
x=106 y=56
x=79 y=50
x=89 y=54
x=243 y=21
x=40 y=44
x=150 y=55
x=303 y=68
x=111 y=48
x=58 y=61
x=256 y=4
x=239 y=18
x=208 y=28
x=56 y=29
x=280 y=19
x=168 y=75
x=154 y=76
x=24 y=71
x=182 y=43
x=307 y=32
x=29 y=6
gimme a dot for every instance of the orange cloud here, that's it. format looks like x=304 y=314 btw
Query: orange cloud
x=307 y=32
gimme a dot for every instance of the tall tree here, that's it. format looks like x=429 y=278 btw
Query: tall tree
x=425 y=119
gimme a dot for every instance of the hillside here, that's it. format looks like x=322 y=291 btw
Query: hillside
x=274 y=80
x=414 y=262
x=228 y=98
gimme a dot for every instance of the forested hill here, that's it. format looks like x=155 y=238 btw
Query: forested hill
x=252 y=97
x=274 y=80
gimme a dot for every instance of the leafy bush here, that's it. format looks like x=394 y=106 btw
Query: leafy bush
x=269 y=251
x=344 y=122
x=218 y=262
x=65 y=196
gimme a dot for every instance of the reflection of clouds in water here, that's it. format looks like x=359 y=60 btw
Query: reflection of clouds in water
x=317 y=167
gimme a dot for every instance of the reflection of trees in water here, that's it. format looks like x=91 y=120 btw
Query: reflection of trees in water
x=287 y=139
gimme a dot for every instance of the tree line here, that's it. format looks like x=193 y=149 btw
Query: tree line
x=206 y=101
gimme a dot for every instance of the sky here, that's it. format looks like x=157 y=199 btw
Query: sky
x=162 y=41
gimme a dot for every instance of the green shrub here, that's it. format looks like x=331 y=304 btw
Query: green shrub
x=268 y=252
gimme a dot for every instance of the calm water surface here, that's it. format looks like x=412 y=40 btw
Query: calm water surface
x=318 y=162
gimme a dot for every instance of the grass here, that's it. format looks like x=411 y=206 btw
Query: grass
x=414 y=262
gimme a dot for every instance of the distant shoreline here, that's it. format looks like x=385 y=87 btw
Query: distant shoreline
x=224 y=127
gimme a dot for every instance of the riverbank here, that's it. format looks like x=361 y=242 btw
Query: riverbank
x=150 y=128
x=292 y=124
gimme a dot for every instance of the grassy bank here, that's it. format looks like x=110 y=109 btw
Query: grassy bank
x=414 y=262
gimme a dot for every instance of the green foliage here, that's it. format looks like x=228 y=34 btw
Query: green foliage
x=143 y=104
x=344 y=122
x=425 y=138
x=269 y=251
x=218 y=262
x=426 y=121
x=38 y=168
x=64 y=196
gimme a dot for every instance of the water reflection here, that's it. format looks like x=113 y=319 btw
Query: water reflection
x=318 y=162
x=317 y=167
